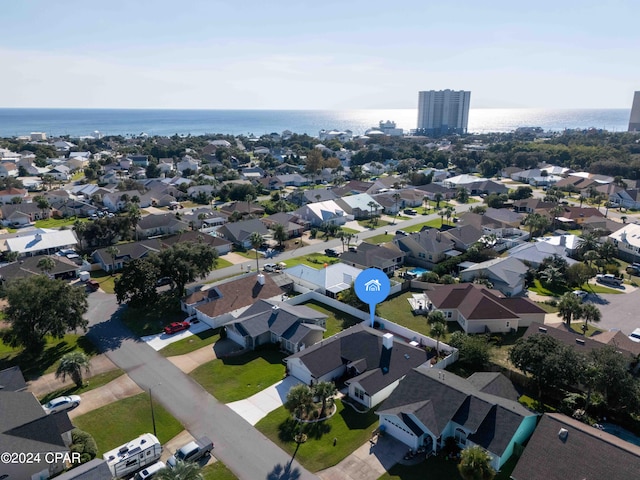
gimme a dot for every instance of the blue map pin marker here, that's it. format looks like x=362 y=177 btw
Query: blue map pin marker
x=372 y=287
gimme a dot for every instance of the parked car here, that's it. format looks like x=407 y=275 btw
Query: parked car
x=633 y=269
x=581 y=294
x=149 y=472
x=635 y=335
x=270 y=267
x=92 y=285
x=163 y=281
x=609 y=279
x=410 y=211
x=191 y=452
x=176 y=327
x=401 y=232
x=61 y=403
x=330 y=252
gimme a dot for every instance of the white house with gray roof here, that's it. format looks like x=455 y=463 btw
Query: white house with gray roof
x=329 y=281
x=506 y=274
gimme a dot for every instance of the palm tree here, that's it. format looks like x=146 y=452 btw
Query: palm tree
x=181 y=471
x=299 y=400
x=325 y=391
x=425 y=204
x=113 y=252
x=623 y=218
x=591 y=314
x=43 y=205
x=449 y=211
x=134 y=217
x=435 y=317
x=535 y=222
x=249 y=199
x=372 y=205
x=437 y=198
x=73 y=365
x=569 y=307
x=341 y=235
x=396 y=199
x=46 y=264
x=590 y=256
x=475 y=464
x=438 y=330
x=582 y=199
x=279 y=233
x=256 y=240
x=556 y=211
x=442 y=214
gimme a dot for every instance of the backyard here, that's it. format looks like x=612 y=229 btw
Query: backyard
x=238 y=377
x=351 y=429
x=124 y=420
x=336 y=321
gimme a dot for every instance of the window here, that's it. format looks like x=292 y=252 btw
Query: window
x=508 y=324
x=448 y=314
x=460 y=436
x=359 y=393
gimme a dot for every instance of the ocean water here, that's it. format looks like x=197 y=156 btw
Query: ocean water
x=80 y=122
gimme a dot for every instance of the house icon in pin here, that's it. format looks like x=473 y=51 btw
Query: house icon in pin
x=372 y=286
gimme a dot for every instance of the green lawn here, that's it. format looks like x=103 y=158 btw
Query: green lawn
x=350 y=230
x=398 y=310
x=153 y=318
x=238 y=377
x=336 y=321
x=547 y=308
x=192 y=343
x=249 y=254
x=47 y=362
x=106 y=280
x=351 y=429
x=315 y=260
x=559 y=291
x=222 y=263
x=124 y=420
x=89 y=384
x=367 y=223
x=435 y=223
x=440 y=468
x=378 y=239
x=217 y=471
x=58 y=222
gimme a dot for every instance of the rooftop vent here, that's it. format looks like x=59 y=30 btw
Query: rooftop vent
x=563 y=434
x=387 y=341
x=542 y=329
x=579 y=341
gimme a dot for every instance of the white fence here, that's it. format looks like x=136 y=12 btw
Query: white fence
x=385 y=324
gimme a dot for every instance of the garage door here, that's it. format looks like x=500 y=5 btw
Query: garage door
x=296 y=369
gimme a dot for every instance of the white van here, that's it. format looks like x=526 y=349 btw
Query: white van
x=150 y=471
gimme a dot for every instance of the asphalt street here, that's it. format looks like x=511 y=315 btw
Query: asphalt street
x=618 y=311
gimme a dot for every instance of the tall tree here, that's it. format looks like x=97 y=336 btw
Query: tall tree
x=438 y=330
x=113 y=252
x=137 y=284
x=436 y=317
x=437 y=197
x=590 y=313
x=325 y=391
x=185 y=262
x=39 y=306
x=73 y=365
x=396 y=198
x=299 y=400
x=535 y=222
x=279 y=234
x=46 y=264
x=475 y=464
x=256 y=241
x=181 y=471
x=80 y=228
x=449 y=211
x=569 y=307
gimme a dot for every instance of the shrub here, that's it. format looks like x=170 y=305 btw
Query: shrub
x=84 y=444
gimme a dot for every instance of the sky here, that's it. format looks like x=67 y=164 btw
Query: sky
x=288 y=54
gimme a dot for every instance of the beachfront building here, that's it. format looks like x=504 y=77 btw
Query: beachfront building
x=442 y=112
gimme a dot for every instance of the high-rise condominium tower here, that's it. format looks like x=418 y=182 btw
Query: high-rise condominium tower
x=634 y=119
x=444 y=111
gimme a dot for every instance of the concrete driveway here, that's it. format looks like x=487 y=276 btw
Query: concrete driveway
x=161 y=340
x=258 y=406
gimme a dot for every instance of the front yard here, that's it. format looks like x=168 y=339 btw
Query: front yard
x=153 y=318
x=349 y=428
x=126 y=419
x=47 y=362
x=549 y=291
x=191 y=343
x=238 y=377
x=314 y=260
x=89 y=384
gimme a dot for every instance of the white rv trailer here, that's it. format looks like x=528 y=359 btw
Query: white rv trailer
x=133 y=455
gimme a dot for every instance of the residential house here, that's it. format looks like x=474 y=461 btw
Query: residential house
x=359 y=206
x=329 y=281
x=163 y=224
x=627 y=239
x=21 y=214
x=166 y=165
x=498 y=229
x=478 y=309
x=426 y=248
x=572 y=217
x=605 y=226
x=63 y=146
x=292 y=327
x=463 y=236
x=568 y=241
x=562 y=448
x=534 y=253
x=370 y=362
x=573 y=183
x=117 y=201
x=486 y=187
x=8 y=169
x=463 y=180
x=12 y=380
x=26 y=428
x=221 y=245
x=28 y=266
x=320 y=213
x=507 y=217
x=506 y=274
x=531 y=205
x=41 y=241
x=9 y=194
x=287 y=220
x=432 y=189
x=60 y=173
x=368 y=255
x=318 y=195
x=239 y=233
x=139 y=160
x=292 y=180
x=243 y=208
x=208 y=191
x=353 y=187
x=96 y=469
x=431 y=405
x=216 y=305
x=621 y=197
x=126 y=252
x=188 y=163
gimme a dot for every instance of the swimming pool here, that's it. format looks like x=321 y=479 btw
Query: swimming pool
x=419 y=271
x=621 y=433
